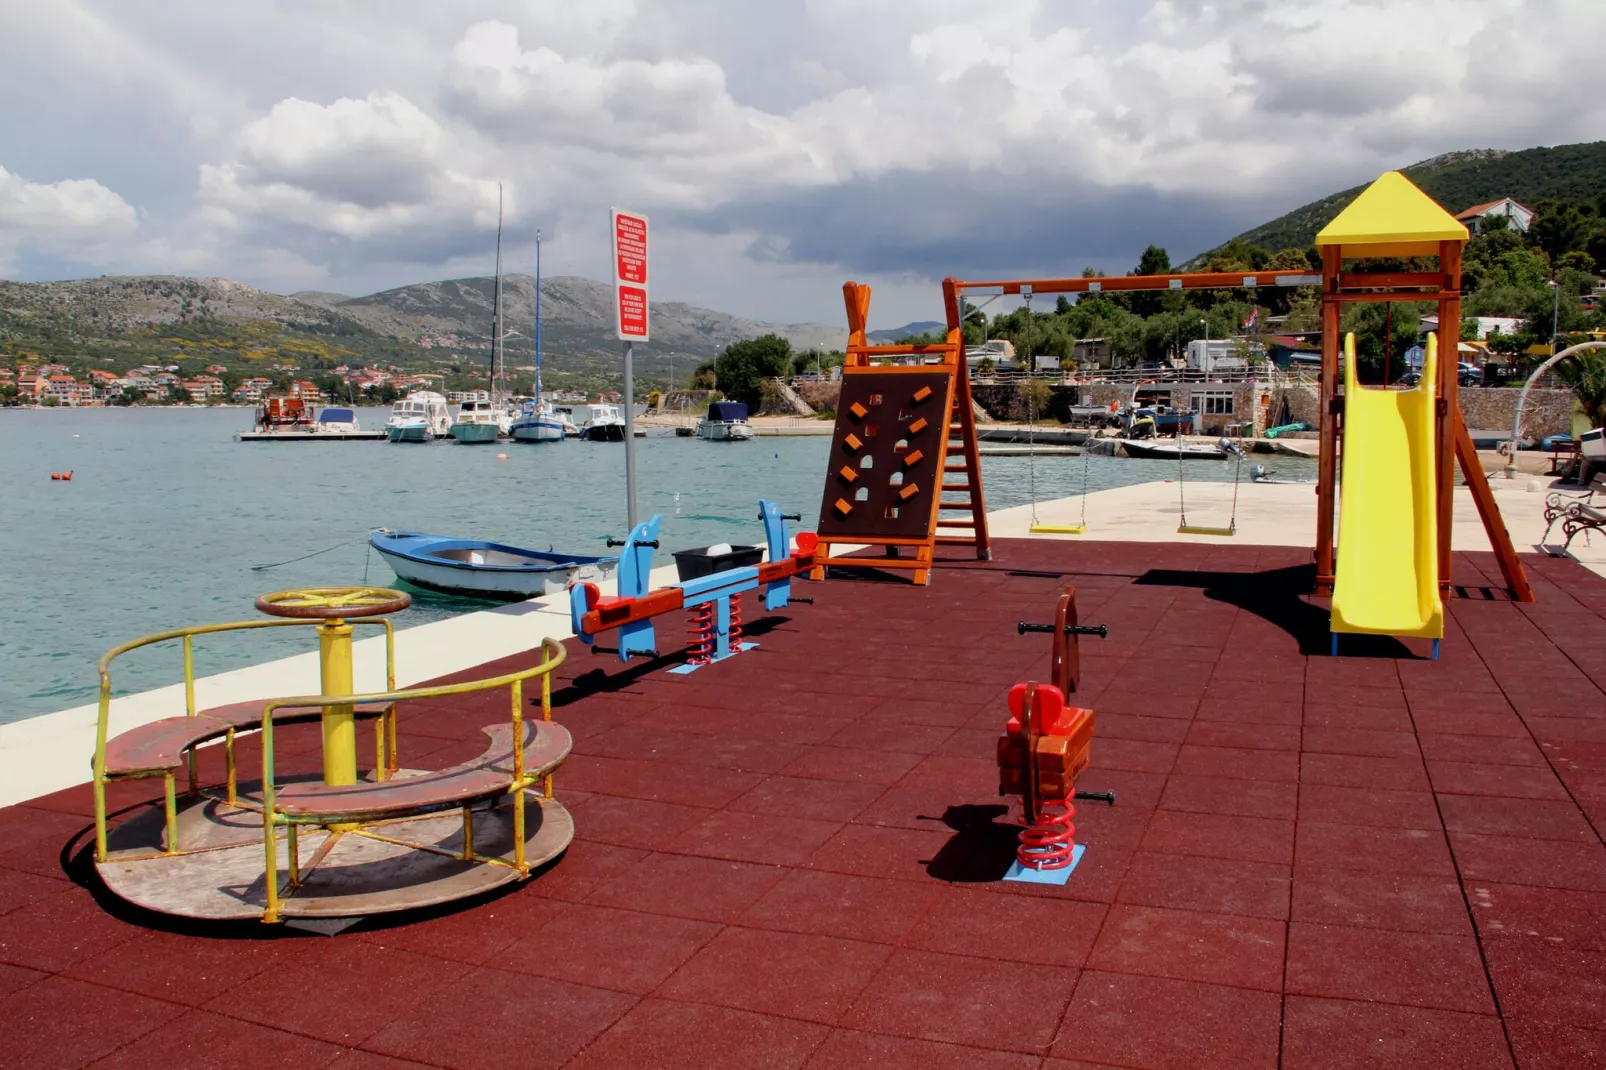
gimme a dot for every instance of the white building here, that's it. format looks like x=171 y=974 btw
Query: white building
x=1517 y=216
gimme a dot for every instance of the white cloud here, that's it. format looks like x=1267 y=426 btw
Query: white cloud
x=70 y=209
x=359 y=169
x=855 y=135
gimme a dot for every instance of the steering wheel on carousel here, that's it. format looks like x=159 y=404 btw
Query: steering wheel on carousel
x=330 y=603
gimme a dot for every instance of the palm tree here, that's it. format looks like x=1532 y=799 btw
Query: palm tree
x=1585 y=374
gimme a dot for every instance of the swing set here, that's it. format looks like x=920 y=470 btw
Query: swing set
x=1392 y=218
x=1161 y=282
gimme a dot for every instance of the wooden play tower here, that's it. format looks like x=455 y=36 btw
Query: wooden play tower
x=1393 y=219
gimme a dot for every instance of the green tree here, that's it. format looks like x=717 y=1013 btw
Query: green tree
x=1154 y=261
x=1577 y=261
x=1585 y=374
x=1596 y=248
x=741 y=370
x=1559 y=228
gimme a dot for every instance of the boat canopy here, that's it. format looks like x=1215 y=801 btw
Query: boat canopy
x=727 y=411
x=337 y=416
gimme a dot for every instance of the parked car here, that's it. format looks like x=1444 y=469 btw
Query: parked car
x=1466 y=375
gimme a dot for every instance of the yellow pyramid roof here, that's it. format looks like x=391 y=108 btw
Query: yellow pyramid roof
x=1392 y=211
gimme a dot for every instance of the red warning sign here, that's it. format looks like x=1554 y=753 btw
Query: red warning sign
x=630 y=274
x=632 y=301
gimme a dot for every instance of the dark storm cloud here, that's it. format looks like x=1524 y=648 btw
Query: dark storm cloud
x=973 y=225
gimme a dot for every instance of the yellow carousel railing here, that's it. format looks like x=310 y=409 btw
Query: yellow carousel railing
x=520 y=781
x=383 y=726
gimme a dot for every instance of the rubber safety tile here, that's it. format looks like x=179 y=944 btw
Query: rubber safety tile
x=1128 y=1020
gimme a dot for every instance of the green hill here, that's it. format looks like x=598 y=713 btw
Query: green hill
x=1458 y=180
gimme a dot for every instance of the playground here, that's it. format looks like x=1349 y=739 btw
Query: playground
x=1013 y=789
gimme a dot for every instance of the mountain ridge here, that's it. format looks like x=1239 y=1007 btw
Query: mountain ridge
x=1457 y=180
x=406 y=324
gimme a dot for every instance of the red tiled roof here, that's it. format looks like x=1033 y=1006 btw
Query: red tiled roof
x=792 y=856
x=1479 y=209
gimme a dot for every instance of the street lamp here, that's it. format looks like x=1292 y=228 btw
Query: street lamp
x=1555 y=313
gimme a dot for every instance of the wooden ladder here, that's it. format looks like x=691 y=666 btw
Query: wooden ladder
x=962 y=459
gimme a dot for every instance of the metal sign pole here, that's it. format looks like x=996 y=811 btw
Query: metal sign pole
x=630 y=435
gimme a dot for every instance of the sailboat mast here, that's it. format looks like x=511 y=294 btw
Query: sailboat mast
x=496 y=342
x=538 y=320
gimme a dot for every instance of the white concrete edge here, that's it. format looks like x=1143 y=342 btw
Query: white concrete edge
x=43 y=754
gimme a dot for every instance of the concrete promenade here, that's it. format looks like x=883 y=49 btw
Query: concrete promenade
x=50 y=752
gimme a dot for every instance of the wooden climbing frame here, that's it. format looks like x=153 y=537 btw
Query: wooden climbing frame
x=904 y=424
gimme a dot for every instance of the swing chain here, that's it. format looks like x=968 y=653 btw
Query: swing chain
x=1031 y=407
x=1182 y=494
x=1085 y=443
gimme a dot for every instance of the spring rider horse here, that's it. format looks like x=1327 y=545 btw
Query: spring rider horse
x=1044 y=748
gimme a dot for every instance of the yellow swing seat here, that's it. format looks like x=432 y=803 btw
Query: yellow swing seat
x=1059 y=529
x=1198 y=529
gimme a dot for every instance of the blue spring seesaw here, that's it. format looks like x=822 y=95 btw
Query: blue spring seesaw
x=714 y=600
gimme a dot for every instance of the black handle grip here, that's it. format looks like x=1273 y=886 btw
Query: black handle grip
x=621 y=542
x=1097 y=796
x=787 y=516
x=1070 y=629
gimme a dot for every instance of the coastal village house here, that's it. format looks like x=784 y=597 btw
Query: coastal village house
x=67 y=390
x=251 y=389
x=1517 y=216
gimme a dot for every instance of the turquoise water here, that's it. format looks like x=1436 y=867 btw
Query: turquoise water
x=166 y=515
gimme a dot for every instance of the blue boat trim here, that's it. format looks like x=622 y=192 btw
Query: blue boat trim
x=425 y=547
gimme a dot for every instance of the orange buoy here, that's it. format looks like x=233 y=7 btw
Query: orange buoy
x=61 y=475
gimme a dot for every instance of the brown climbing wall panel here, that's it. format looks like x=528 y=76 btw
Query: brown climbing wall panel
x=886 y=455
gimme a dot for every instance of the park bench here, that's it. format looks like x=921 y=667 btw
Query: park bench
x=1561 y=453
x=1577 y=512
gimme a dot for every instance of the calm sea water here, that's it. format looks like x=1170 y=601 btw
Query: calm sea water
x=166 y=515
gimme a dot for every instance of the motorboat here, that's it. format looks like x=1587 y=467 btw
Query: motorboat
x=725 y=421
x=1592 y=446
x=421 y=416
x=478 y=421
x=605 y=424
x=481 y=569
x=291 y=419
x=538 y=421
x=1161 y=450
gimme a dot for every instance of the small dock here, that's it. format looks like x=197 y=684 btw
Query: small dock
x=310 y=436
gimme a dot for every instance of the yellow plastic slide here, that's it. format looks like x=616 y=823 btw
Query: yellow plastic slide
x=1387 y=581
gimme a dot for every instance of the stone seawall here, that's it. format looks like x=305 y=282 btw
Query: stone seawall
x=1256 y=405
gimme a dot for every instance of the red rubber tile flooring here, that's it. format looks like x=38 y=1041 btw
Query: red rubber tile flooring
x=791 y=859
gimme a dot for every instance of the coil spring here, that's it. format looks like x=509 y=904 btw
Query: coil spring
x=736 y=623
x=1049 y=843
x=700 y=651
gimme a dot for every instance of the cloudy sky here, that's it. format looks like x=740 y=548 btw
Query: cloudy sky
x=780 y=147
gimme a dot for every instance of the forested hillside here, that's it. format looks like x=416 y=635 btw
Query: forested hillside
x=1459 y=180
